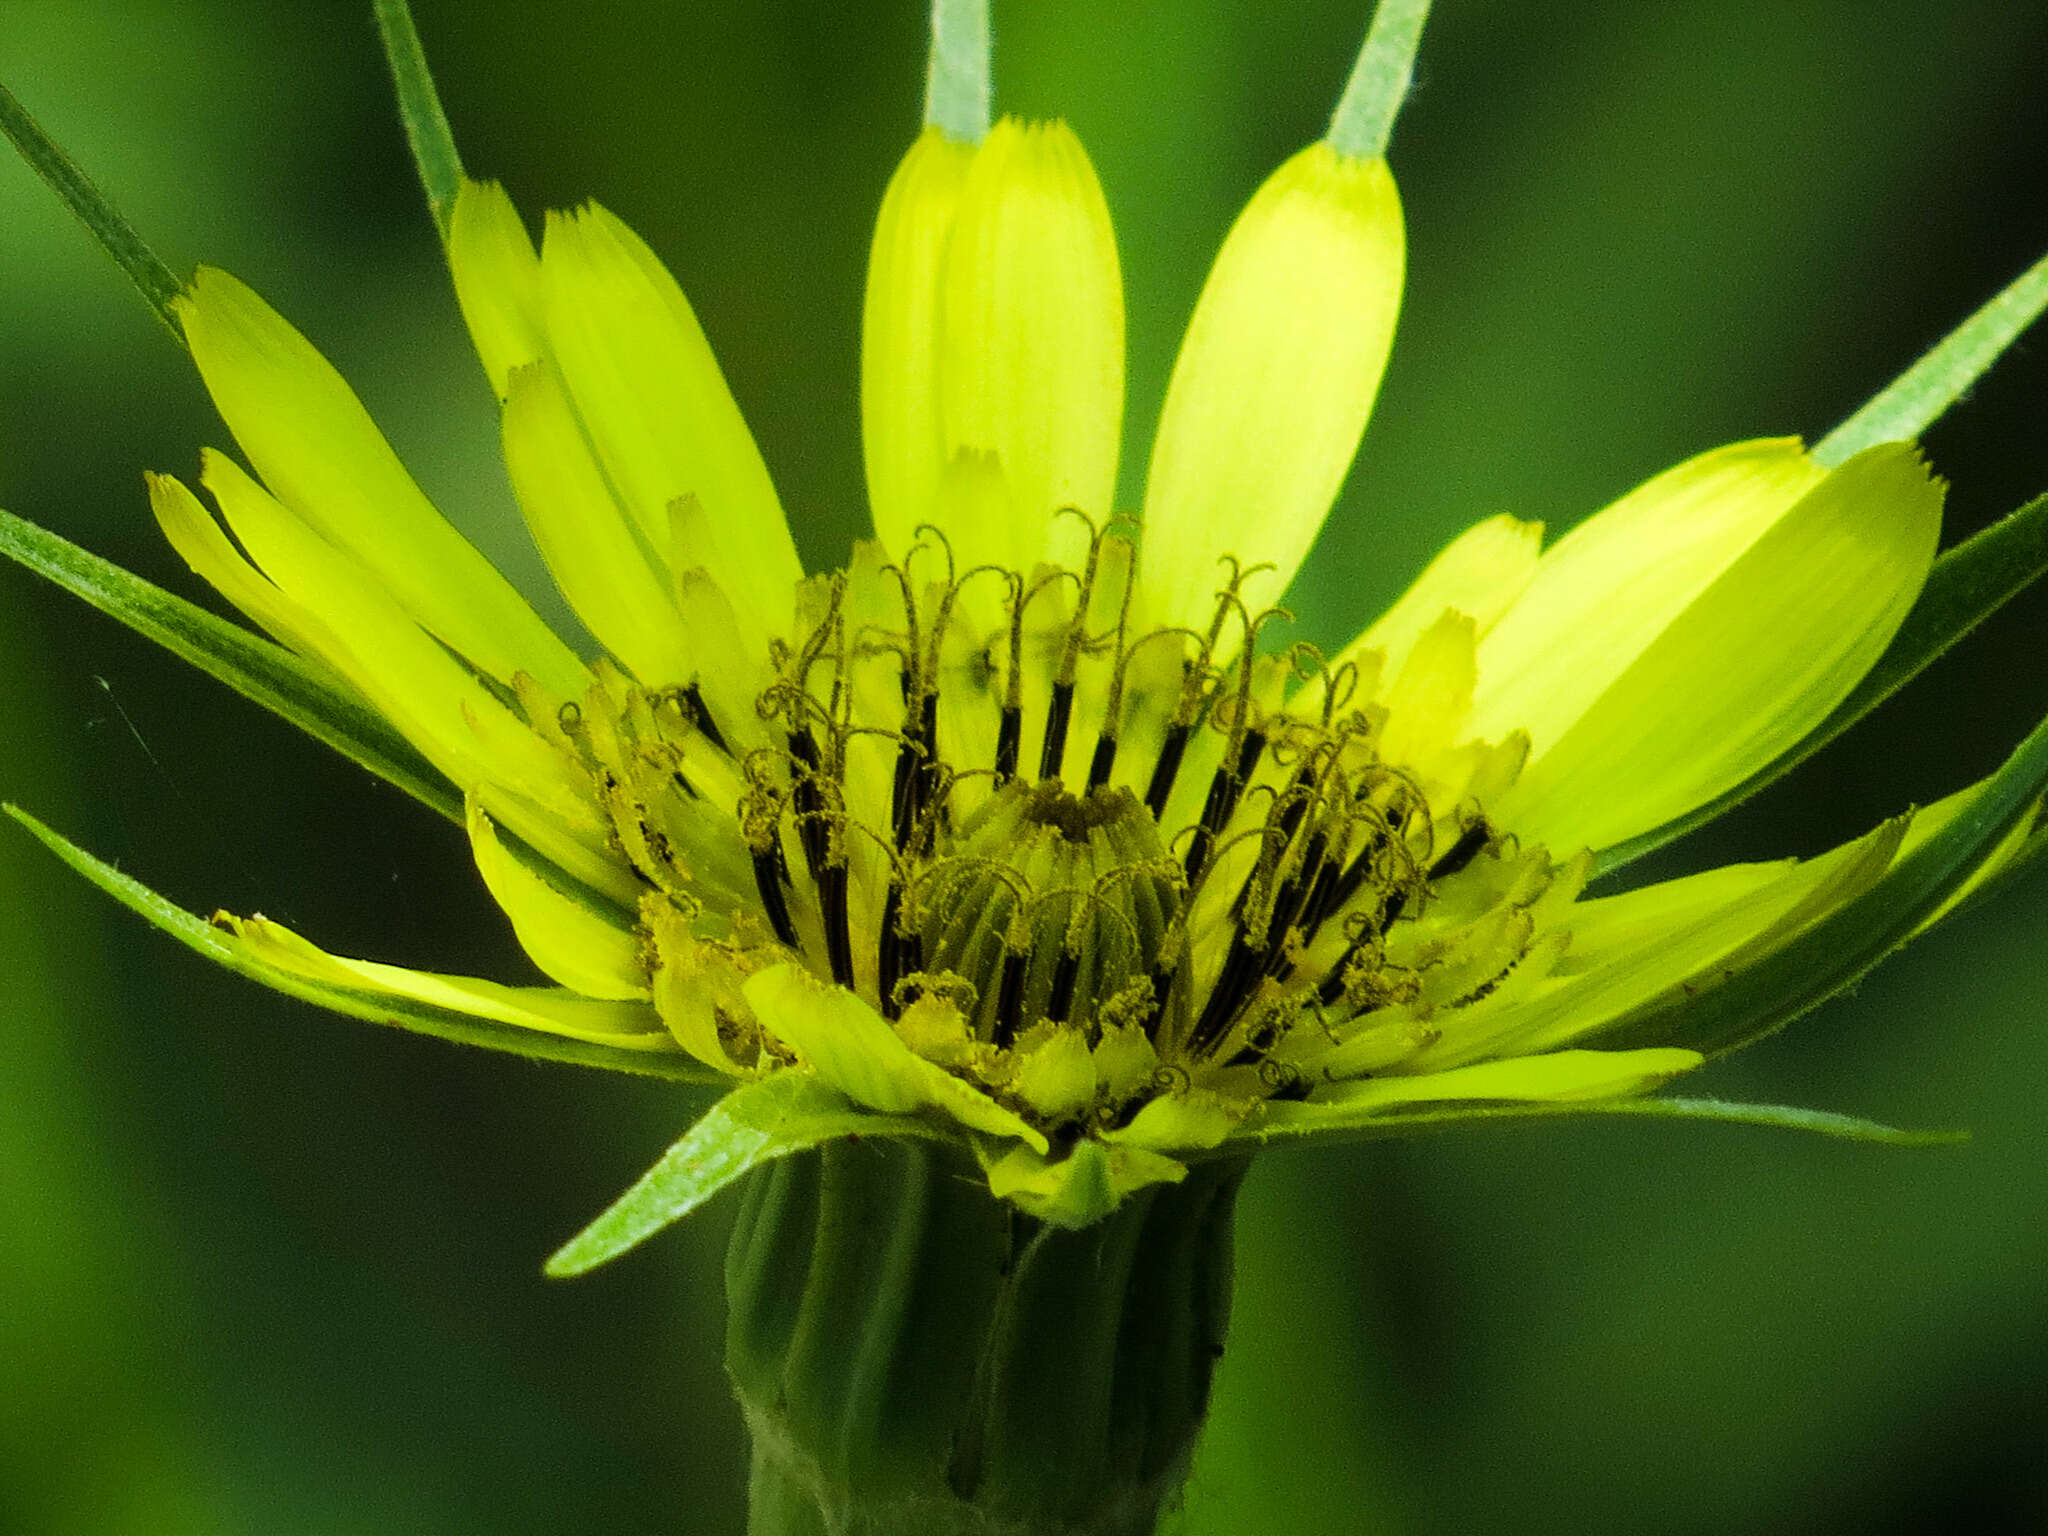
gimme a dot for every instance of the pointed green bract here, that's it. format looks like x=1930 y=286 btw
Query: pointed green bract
x=117 y=237
x=307 y=695
x=754 y=1124
x=1838 y=950
x=1967 y=585
x=1279 y=1125
x=1912 y=403
x=1364 y=119
x=956 y=88
x=196 y=934
x=419 y=105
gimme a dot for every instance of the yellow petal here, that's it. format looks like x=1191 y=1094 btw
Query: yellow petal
x=195 y=535
x=1031 y=350
x=656 y=406
x=1747 y=668
x=1480 y=573
x=694 y=985
x=579 y=846
x=1056 y=1077
x=565 y=937
x=1630 y=951
x=853 y=1048
x=1275 y=380
x=414 y=683
x=899 y=348
x=1180 y=1122
x=732 y=671
x=1613 y=584
x=613 y=580
x=1125 y=1061
x=320 y=454
x=1559 y=1077
x=497 y=280
x=1426 y=706
x=547 y=1009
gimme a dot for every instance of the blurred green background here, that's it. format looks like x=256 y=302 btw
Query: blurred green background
x=266 y=1271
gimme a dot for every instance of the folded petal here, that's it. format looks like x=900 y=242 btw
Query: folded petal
x=616 y=583
x=1608 y=588
x=1275 y=379
x=1081 y=1187
x=567 y=936
x=652 y=398
x=853 y=1048
x=899 y=349
x=1031 y=341
x=1560 y=1076
x=497 y=280
x=541 y=1022
x=1737 y=675
x=195 y=535
x=413 y=681
x=634 y=1026
x=1479 y=574
x=316 y=448
x=1631 y=952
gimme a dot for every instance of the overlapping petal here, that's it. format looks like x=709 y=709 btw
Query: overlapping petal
x=618 y=585
x=994 y=330
x=317 y=450
x=581 y=947
x=656 y=407
x=497 y=280
x=1275 y=379
x=1479 y=574
x=899 y=363
x=1697 y=629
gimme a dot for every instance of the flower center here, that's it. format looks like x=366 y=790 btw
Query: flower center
x=1210 y=861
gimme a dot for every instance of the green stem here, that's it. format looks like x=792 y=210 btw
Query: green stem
x=1916 y=399
x=956 y=87
x=915 y=1358
x=1364 y=119
x=117 y=237
x=419 y=105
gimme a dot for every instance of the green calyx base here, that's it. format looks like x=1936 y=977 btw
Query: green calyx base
x=916 y=1358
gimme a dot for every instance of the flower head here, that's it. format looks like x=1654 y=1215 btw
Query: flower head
x=1029 y=828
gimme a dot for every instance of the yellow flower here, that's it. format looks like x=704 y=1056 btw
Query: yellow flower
x=1027 y=829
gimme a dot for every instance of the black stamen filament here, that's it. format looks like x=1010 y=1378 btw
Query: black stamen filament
x=809 y=799
x=1463 y=851
x=1224 y=789
x=838 y=934
x=700 y=714
x=1064 y=973
x=1009 y=739
x=1103 y=763
x=1010 y=996
x=1057 y=715
x=1166 y=769
x=768 y=881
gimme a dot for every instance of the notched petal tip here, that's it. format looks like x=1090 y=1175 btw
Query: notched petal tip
x=900 y=433
x=496 y=272
x=1029 y=350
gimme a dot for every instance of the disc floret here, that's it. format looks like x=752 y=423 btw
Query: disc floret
x=1076 y=863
